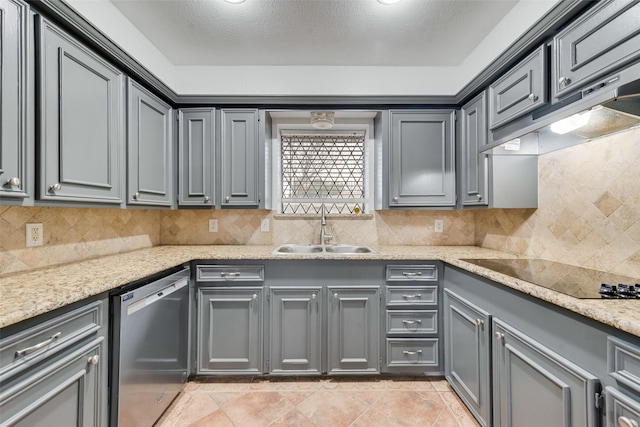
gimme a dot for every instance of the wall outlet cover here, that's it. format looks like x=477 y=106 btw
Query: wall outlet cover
x=34 y=235
x=438 y=226
x=264 y=225
x=213 y=226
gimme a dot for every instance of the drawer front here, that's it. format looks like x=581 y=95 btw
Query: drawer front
x=412 y=352
x=603 y=40
x=412 y=295
x=25 y=348
x=405 y=273
x=412 y=322
x=623 y=362
x=230 y=273
x=520 y=91
x=621 y=409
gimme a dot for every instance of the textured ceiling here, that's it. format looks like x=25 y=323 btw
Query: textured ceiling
x=315 y=32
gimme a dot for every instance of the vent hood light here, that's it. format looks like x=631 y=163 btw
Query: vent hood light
x=322 y=119
x=571 y=123
x=389 y=1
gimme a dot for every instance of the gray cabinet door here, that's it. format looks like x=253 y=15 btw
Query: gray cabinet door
x=422 y=171
x=149 y=150
x=81 y=132
x=467 y=349
x=13 y=99
x=475 y=170
x=67 y=391
x=521 y=90
x=295 y=329
x=353 y=328
x=534 y=386
x=239 y=153
x=230 y=330
x=596 y=44
x=196 y=156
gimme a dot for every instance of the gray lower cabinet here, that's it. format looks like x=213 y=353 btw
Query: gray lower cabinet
x=421 y=162
x=353 y=330
x=467 y=363
x=295 y=330
x=14 y=99
x=81 y=115
x=535 y=386
x=230 y=330
x=55 y=372
x=623 y=400
x=196 y=156
x=599 y=42
x=521 y=90
x=474 y=173
x=149 y=148
x=239 y=151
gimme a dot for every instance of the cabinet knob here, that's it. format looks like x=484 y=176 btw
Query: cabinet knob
x=499 y=336
x=479 y=196
x=227 y=199
x=335 y=295
x=627 y=422
x=395 y=199
x=206 y=199
x=55 y=187
x=93 y=360
x=533 y=97
x=13 y=182
x=479 y=322
x=313 y=296
x=255 y=296
x=564 y=81
x=135 y=196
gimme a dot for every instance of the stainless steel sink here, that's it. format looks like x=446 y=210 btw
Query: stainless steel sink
x=325 y=249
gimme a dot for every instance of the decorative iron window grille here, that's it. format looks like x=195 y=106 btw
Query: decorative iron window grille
x=322 y=170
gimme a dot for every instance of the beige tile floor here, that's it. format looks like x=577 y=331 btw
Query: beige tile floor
x=317 y=402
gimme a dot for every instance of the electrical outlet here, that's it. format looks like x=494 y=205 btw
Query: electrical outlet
x=213 y=226
x=34 y=235
x=264 y=225
x=438 y=227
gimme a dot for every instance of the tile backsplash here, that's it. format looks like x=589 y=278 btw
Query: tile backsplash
x=588 y=215
x=588 y=209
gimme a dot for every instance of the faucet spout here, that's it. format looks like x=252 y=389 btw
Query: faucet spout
x=324 y=235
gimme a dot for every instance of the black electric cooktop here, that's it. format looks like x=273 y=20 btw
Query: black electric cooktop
x=578 y=282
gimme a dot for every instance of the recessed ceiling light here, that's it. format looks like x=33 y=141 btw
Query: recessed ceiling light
x=234 y=1
x=389 y=1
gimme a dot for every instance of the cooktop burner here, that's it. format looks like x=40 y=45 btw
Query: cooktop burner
x=575 y=281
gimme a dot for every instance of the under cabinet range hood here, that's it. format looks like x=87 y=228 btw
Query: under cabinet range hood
x=607 y=106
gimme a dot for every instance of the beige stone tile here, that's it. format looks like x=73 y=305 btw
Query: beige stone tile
x=333 y=408
x=217 y=418
x=403 y=408
x=198 y=405
x=257 y=408
x=293 y=418
x=408 y=383
x=222 y=398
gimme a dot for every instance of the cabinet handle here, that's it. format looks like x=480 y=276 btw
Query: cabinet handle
x=412 y=296
x=135 y=196
x=411 y=353
x=227 y=199
x=533 y=97
x=229 y=276
x=564 y=81
x=479 y=196
x=55 y=187
x=93 y=360
x=499 y=336
x=412 y=322
x=13 y=182
x=627 y=422
x=206 y=199
x=479 y=322
x=255 y=296
x=395 y=199
x=411 y=273
x=33 y=348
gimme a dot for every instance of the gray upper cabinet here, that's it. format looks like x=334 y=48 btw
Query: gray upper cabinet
x=422 y=171
x=521 y=90
x=239 y=170
x=295 y=326
x=81 y=116
x=149 y=149
x=597 y=43
x=475 y=169
x=196 y=157
x=13 y=99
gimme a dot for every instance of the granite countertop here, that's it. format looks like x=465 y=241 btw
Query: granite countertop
x=26 y=295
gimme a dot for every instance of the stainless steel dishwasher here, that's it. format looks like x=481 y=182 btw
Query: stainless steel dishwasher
x=150 y=341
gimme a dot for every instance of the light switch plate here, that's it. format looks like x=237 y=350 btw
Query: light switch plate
x=264 y=225
x=213 y=226
x=438 y=227
x=34 y=235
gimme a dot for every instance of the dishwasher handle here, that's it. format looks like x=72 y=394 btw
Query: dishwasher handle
x=162 y=293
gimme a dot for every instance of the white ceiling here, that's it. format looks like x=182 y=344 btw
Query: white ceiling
x=315 y=32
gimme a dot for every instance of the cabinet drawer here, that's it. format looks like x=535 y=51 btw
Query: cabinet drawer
x=230 y=273
x=21 y=350
x=619 y=406
x=623 y=362
x=521 y=90
x=412 y=352
x=404 y=273
x=412 y=322
x=412 y=295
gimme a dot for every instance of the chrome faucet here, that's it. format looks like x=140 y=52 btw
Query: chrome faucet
x=324 y=236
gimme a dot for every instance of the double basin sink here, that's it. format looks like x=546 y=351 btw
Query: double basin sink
x=325 y=249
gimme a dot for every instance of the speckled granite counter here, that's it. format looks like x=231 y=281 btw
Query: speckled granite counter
x=27 y=295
